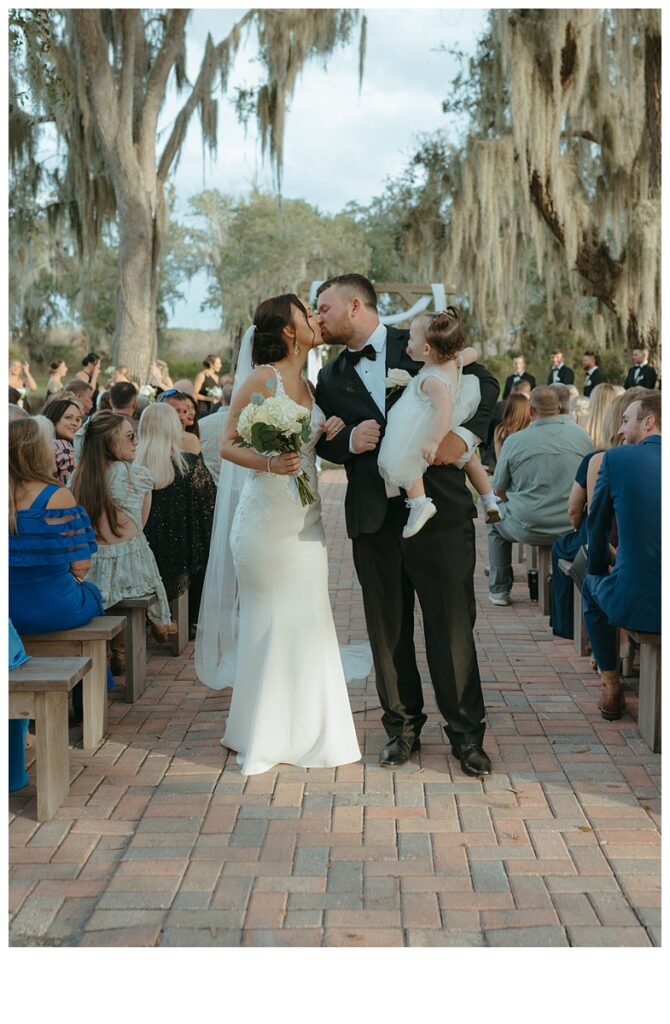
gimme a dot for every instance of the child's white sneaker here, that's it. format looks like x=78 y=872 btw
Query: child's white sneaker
x=418 y=517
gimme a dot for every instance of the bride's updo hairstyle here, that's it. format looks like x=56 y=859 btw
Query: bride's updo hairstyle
x=270 y=319
x=444 y=333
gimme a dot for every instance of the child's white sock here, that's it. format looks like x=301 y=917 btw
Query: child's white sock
x=417 y=502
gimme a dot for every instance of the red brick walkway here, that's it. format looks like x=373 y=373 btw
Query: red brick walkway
x=163 y=842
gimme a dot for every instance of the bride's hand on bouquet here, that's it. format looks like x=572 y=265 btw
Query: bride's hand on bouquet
x=286 y=464
x=333 y=426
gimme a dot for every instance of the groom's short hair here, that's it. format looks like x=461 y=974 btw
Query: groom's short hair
x=356 y=284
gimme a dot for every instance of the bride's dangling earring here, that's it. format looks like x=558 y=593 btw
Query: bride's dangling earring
x=296 y=348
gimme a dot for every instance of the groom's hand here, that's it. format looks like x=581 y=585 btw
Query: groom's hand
x=450 y=450
x=365 y=437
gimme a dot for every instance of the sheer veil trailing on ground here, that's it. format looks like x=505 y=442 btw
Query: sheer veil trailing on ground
x=216 y=637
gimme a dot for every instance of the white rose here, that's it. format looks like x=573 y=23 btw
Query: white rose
x=396 y=378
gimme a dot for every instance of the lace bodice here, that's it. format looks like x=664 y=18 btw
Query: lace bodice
x=308 y=452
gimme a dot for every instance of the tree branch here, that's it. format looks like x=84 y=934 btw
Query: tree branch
x=172 y=40
x=203 y=82
x=100 y=78
x=129 y=19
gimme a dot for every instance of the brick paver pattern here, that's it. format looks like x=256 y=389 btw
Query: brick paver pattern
x=163 y=843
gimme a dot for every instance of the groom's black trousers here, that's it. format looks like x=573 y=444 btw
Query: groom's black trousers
x=438 y=565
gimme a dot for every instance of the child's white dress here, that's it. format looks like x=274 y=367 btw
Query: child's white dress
x=400 y=460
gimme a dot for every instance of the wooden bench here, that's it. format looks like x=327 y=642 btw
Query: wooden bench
x=520 y=553
x=87 y=641
x=135 y=611
x=580 y=636
x=541 y=560
x=40 y=689
x=649 y=713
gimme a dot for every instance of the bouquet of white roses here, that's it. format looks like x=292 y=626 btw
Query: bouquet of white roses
x=214 y=392
x=274 y=426
x=147 y=391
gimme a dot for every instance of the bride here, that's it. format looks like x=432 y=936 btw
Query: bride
x=290 y=702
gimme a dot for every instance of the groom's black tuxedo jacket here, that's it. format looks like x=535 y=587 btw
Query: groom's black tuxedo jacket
x=341 y=392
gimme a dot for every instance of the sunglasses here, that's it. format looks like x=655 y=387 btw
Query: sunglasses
x=172 y=393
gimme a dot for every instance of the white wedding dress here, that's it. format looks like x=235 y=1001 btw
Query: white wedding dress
x=290 y=703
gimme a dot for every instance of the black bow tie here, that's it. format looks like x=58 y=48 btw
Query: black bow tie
x=353 y=356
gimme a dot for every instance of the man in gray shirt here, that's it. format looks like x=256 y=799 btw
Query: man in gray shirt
x=534 y=477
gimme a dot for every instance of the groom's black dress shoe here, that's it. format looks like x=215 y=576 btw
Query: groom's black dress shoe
x=397 y=751
x=473 y=759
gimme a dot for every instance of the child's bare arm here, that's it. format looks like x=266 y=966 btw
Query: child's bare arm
x=469 y=355
x=442 y=410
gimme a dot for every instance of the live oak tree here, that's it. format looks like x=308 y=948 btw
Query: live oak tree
x=562 y=162
x=101 y=77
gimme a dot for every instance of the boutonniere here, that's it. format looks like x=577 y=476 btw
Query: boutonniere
x=396 y=380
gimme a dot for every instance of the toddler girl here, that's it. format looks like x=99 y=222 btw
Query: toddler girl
x=424 y=415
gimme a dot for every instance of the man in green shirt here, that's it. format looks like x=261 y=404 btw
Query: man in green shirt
x=533 y=478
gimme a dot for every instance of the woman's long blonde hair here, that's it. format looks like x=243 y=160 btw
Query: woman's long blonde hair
x=600 y=400
x=159 y=447
x=89 y=483
x=31 y=460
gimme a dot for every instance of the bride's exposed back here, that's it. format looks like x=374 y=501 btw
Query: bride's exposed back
x=266 y=626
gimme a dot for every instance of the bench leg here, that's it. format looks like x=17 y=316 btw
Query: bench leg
x=544 y=579
x=649 y=711
x=95 y=693
x=581 y=639
x=52 y=752
x=136 y=653
x=179 y=611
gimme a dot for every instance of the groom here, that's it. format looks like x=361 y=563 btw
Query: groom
x=437 y=564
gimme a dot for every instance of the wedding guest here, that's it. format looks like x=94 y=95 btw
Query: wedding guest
x=185 y=386
x=21 y=379
x=607 y=406
x=57 y=370
x=51 y=543
x=123 y=399
x=159 y=375
x=579 y=410
x=640 y=373
x=117 y=495
x=120 y=375
x=533 y=479
x=67 y=417
x=17 y=413
x=91 y=365
x=205 y=380
x=564 y=396
x=179 y=526
x=83 y=392
x=593 y=373
x=515 y=417
x=183 y=406
x=611 y=436
x=192 y=421
x=600 y=400
x=520 y=373
x=559 y=372
x=628 y=593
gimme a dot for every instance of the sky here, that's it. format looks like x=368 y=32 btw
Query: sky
x=340 y=144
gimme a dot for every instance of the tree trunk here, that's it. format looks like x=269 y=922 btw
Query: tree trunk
x=134 y=342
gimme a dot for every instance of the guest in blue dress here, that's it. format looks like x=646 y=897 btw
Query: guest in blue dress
x=18 y=727
x=51 y=541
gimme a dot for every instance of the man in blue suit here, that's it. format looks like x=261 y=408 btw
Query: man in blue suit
x=627 y=594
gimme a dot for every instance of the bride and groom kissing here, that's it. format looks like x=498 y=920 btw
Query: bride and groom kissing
x=266 y=625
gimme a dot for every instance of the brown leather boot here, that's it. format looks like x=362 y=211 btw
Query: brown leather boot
x=161 y=632
x=117 y=662
x=612 y=701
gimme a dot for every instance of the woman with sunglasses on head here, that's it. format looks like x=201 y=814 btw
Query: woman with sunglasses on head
x=117 y=496
x=185 y=407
